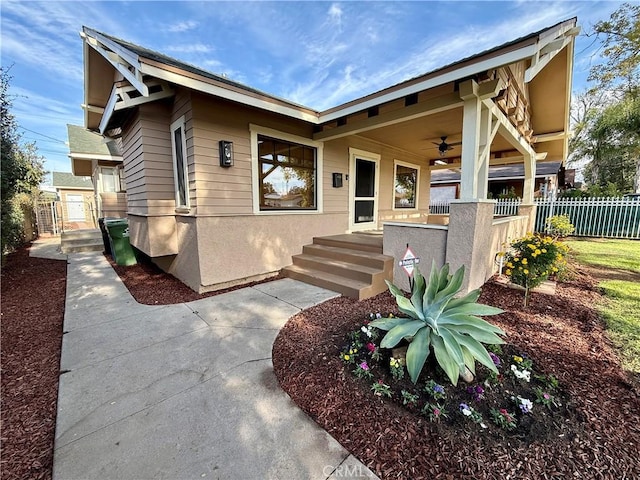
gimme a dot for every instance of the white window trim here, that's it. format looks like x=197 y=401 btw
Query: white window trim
x=180 y=123
x=256 y=130
x=393 y=197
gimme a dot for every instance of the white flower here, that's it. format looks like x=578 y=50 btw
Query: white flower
x=521 y=374
x=378 y=315
x=482 y=424
x=366 y=330
x=466 y=412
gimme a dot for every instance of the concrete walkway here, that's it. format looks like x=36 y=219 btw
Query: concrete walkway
x=183 y=391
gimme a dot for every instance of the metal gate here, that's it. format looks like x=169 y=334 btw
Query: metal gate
x=59 y=216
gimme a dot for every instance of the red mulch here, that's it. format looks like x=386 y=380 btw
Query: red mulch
x=562 y=334
x=33 y=295
x=151 y=286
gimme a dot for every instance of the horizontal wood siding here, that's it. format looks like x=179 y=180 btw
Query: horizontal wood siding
x=148 y=161
x=228 y=191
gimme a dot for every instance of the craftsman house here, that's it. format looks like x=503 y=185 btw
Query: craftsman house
x=226 y=184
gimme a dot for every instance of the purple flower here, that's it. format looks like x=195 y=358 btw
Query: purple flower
x=479 y=390
x=464 y=406
x=364 y=366
x=438 y=388
x=495 y=358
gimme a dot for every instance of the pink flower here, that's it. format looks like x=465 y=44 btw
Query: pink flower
x=371 y=347
x=436 y=412
x=546 y=396
x=364 y=366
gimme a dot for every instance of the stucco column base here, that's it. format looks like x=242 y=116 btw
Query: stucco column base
x=529 y=210
x=469 y=240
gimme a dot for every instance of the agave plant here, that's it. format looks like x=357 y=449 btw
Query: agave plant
x=450 y=326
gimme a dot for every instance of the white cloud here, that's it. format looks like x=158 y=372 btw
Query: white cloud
x=335 y=14
x=182 y=26
x=191 y=48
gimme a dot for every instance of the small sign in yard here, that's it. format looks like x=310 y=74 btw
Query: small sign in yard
x=409 y=261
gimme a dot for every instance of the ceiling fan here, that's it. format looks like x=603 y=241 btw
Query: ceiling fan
x=444 y=147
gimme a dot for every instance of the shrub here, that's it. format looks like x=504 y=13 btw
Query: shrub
x=532 y=259
x=559 y=226
x=437 y=321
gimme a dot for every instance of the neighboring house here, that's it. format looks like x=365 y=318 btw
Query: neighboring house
x=503 y=180
x=225 y=184
x=94 y=156
x=75 y=203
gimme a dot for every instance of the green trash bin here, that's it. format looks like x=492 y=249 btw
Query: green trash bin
x=121 y=249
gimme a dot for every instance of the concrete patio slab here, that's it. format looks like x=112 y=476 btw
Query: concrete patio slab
x=47 y=247
x=296 y=293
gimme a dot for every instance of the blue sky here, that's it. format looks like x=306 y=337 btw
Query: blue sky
x=319 y=54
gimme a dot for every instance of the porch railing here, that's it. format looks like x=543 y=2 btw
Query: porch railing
x=506 y=207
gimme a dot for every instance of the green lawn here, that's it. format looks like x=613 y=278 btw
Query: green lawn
x=621 y=311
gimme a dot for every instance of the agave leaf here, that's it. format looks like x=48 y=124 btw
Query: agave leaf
x=418 y=291
x=471 y=320
x=389 y=323
x=432 y=288
x=476 y=349
x=475 y=309
x=453 y=347
x=404 y=304
x=398 y=332
x=469 y=360
x=470 y=297
x=444 y=277
x=417 y=353
x=448 y=364
x=479 y=334
x=453 y=285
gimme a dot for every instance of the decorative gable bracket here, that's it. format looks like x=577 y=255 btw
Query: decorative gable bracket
x=124 y=95
x=549 y=47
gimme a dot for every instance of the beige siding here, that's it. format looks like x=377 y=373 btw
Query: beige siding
x=147 y=162
x=215 y=120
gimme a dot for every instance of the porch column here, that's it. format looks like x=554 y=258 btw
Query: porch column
x=482 y=174
x=471 y=120
x=527 y=207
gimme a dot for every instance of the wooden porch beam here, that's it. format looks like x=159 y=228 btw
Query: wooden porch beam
x=417 y=110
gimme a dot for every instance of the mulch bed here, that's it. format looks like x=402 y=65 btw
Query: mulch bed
x=562 y=334
x=33 y=296
x=151 y=286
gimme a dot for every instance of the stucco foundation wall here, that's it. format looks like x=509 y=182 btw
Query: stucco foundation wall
x=236 y=249
x=162 y=240
x=428 y=243
x=185 y=265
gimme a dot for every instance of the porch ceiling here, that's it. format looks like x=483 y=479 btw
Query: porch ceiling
x=417 y=136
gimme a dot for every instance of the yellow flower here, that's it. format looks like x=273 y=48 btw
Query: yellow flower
x=537 y=252
x=554 y=269
x=516 y=259
x=517 y=359
x=534 y=255
x=531 y=246
x=544 y=250
x=526 y=272
x=507 y=272
x=524 y=261
x=520 y=268
x=347 y=357
x=509 y=264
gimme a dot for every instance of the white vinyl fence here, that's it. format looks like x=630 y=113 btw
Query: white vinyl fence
x=594 y=217
x=591 y=217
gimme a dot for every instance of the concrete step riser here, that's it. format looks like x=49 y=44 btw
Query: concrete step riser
x=83 y=248
x=80 y=235
x=345 y=256
x=346 y=270
x=81 y=241
x=320 y=282
x=352 y=246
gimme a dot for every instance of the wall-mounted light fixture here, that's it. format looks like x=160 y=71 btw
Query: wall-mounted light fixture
x=226 y=153
x=337 y=180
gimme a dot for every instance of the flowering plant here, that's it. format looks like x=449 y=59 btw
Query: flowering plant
x=396 y=368
x=435 y=390
x=472 y=414
x=521 y=368
x=532 y=259
x=524 y=404
x=380 y=388
x=503 y=418
x=363 y=370
x=476 y=392
x=434 y=412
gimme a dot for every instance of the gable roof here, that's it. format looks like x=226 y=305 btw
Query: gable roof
x=69 y=180
x=87 y=144
x=135 y=62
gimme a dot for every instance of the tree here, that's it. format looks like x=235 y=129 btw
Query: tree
x=606 y=119
x=21 y=171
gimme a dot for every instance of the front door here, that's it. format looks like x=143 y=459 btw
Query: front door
x=363 y=190
x=75 y=208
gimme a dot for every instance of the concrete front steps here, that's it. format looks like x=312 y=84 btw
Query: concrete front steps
x=350 y=264
x=88 y=240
